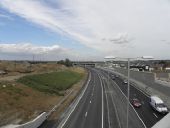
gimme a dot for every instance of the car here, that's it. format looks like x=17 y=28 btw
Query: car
x=117 y=76
x=113 y=77
x=136 y=103
x=125 y=81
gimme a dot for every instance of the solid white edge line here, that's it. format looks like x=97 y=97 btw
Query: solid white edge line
x=140 y=90
x=102 y=98
x=77 y=102
x=130 y=82
x=117 y=116
x=108 y=109
x=129 y=102
x=131 y=106
x=85 y=114
x=116 y=111
x=155 y=115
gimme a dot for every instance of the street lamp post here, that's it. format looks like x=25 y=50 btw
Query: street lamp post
x=128 y=89
x=128 y=76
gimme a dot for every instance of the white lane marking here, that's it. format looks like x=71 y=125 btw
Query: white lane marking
x=133 y=85
x=85 y=114
x=116 y=111
x=155 y=115
x=108 y=109
x=102 y=98
x=131 y=106
x=90 y=101
x=117 y=116
x=140 y=90
x=62 y=125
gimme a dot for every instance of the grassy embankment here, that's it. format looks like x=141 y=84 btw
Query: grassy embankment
x=27 y=97
x=52 y=82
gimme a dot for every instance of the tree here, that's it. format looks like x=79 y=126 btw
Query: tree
x=61 y=62
x=65 y=62
x=68 y=63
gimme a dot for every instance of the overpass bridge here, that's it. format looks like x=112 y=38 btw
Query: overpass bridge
x=87 y=63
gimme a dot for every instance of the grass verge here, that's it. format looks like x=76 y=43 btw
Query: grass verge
x=52 y=82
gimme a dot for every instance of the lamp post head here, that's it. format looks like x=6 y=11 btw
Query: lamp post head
x=109 y=57
x=147 y=57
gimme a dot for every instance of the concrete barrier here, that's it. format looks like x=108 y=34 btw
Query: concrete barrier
x=42 y=117
x=32 y=124
x=146 y=78
x=162 y=75
x=164 y=123
x=147 y=89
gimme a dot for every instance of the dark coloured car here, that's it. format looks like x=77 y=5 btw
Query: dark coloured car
x=117 y=76
x=113 y=77
x=136 y=103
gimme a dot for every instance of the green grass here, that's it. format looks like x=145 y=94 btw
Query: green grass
x=52 y=82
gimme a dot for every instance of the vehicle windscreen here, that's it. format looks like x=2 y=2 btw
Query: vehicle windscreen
x=160 y=105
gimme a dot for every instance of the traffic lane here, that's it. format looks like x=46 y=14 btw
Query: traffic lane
x=55 y=122
x=80 y=111
x=94 y=114
x=149 y=116
x=110 y=115
x=146 y=113
x=120 y=102
x=110 y=112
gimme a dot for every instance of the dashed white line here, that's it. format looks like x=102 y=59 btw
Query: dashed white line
x=108 y=110
x=90 y=101
x=155 y=115
x=131 y=105
x=117 y=116
x=85 y=114
x=78 y=100
x=102 y=100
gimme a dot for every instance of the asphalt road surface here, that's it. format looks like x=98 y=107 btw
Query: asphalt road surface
x=104 y=105
x=146 y=113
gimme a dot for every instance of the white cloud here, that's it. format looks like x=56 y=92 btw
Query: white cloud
x=103 y=24
x=121 y=38
x=25 y=51
x=29 y=48
x=22 y=50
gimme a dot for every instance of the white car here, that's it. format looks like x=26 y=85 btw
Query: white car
x=125 y=81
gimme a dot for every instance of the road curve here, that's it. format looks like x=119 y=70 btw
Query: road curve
x=102 y=106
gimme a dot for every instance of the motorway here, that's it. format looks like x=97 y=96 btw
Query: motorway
x=146 y=113
x=104 y=105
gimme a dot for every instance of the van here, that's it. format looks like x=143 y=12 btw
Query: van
x=158 y=105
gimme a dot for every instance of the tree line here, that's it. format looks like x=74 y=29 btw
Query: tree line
x=65 y=62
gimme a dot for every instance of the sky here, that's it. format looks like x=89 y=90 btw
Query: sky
x=84 y=29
